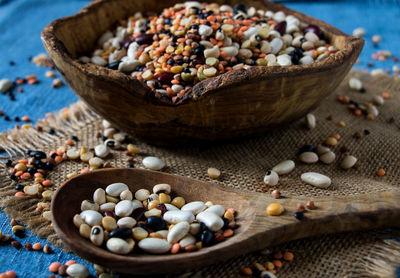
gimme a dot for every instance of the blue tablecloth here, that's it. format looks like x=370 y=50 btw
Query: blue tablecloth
x=21 y=22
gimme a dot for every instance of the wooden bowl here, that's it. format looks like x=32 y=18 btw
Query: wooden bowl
x=257 y=229
x=234 y=104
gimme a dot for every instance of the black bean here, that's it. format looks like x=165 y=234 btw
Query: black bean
x=203 y=227
x=114 y=65
x=306 y=148
x=111 y=144
x=49 y=166
x=38 y=154
x=207 y=238
x=240 y=7
x=155 y=223
x=226 y=223
x=256 y=271
x=299 y=215
x=121 y=233
x=32 y=170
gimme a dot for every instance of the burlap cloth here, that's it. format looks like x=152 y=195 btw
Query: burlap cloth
x=243 y=164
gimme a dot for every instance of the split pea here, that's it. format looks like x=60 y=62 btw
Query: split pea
x=47 y=195
x=176 y=69
x=133 y=149
x=139 y=233
x=164 y=198
x=229 y=215
x=178 y=202
x=275 y=209
x=153 y=204
x=331 y=141
x=213 y=173
x=109 y=223
x=84 y=230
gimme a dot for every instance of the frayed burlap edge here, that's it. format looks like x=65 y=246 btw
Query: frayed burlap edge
x=16 y=141
x=383 y=260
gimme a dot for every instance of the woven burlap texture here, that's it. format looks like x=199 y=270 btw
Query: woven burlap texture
x=243 y=164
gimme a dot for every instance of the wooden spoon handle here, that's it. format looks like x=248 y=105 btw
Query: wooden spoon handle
x=332 y=215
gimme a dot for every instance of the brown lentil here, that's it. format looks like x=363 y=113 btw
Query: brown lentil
x=275 y=194
x=246 y=271
x=310 y=205
x=16 y=244
x=28 y=246
x=62 y=270
x=300 y=207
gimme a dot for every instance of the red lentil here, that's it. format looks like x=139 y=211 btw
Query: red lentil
x=277 y=263
x=70 y=262
x=380 y=172
x=175 y=248
x=246 y=271
x=288 y=256
x=69 y=142
x=336 y=136
x=228 y=233
x=53 y=267
x=46 y=183
x=37 y=246
x=385 y=95
x=26 y=119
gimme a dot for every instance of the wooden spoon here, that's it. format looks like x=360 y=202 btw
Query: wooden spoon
x=257 y=229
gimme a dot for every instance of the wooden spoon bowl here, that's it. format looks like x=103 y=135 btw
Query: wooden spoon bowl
x=237 y=103
x=257 y=230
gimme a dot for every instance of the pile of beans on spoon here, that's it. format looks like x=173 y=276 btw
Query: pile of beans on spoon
x=120 y=219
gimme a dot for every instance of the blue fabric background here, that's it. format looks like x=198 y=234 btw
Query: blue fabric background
x=21 y=22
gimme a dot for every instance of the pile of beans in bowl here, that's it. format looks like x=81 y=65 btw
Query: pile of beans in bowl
x=190 y=42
